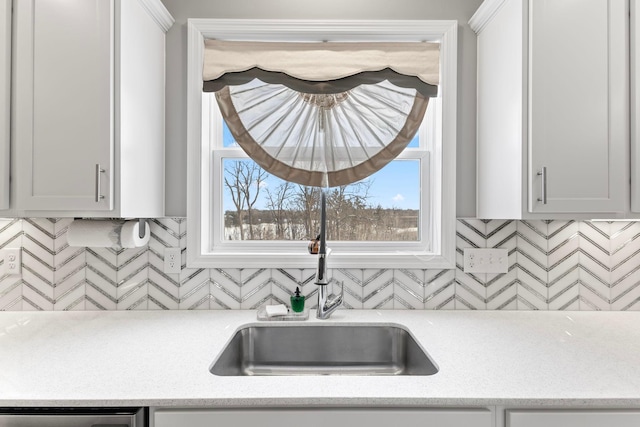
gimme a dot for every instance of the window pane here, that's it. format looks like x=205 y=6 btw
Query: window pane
x=227 y=139
x=383 y=207
x=415 y=142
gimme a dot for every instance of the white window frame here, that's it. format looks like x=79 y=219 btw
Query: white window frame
x=436 y=252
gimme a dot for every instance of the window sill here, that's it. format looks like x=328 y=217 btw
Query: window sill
x=244 y=259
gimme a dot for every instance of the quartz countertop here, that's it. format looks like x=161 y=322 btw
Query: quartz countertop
x=156 y=358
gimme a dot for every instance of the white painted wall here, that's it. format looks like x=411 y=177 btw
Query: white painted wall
x=461 y=10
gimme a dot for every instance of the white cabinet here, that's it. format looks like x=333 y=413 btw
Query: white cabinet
x=5 y=97
x=338 y=417
x=88 y=112
x=635 y=106
x=572 y=418
x=552 y=108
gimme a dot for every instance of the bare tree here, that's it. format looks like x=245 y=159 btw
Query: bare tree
x=345 y=207
x=293 y=211
x=278 y=201
x=307 y=203
x=232 y=182
x=253 y=179
x=244 y=180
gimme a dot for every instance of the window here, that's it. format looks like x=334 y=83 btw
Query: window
x=276 y=226
x=255 y=206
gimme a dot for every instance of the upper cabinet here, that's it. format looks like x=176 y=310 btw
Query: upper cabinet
x=635 y=106
x=5 y=96
x=552 y=108
x=88 y=107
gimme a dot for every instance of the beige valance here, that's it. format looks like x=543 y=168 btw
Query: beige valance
x=322 y=140
x=323 y=61
x=322 y=114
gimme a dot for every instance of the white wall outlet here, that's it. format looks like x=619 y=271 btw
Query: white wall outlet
x=172 y=260
x=12 y=261
x=478 y=260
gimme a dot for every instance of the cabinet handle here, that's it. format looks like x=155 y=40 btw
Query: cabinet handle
x=99 y=171
x=543 y=185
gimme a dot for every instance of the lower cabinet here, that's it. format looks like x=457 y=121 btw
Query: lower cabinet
x=491 y=416
x=5 y=95
x=572 y=418
x=324 y=417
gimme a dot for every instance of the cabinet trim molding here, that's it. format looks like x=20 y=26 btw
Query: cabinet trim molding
x=159 y=13
x=484 y=14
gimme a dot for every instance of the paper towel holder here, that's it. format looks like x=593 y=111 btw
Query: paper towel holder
x=142 y=227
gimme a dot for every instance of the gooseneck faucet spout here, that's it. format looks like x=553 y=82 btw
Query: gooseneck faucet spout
x=321 y=271
x=327 y=304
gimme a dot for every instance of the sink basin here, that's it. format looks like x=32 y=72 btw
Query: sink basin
x=323 y=350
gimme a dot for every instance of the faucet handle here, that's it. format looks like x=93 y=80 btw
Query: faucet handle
x=336 y=299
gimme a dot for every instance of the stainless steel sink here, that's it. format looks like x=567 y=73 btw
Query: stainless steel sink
x=323 y=350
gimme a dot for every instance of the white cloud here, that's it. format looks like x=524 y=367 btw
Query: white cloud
x=398 y=198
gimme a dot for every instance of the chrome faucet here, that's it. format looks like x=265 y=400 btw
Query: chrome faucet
x=327 y=304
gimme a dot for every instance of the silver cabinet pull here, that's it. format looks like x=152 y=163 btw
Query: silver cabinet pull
x=99 y=171
x=543 y=185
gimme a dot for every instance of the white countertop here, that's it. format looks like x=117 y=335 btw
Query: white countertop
x=158 y=358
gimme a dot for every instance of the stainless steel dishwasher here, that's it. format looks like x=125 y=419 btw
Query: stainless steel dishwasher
x=73 y=417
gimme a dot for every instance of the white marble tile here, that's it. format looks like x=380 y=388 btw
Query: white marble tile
x=165 y=232
x=256 y=288
x=378 y=288
x=408 y=289
x=351 y=279
x=502 y=291
x=133 y=279
x=471 y=233
x=470 y=291
x=439 y=289
x=564 y=265
x=195 y=289
x=499 y=234
x=10 y=233
x=532 y=264
x=10 y=293
x=226 y=288
x=99 y=294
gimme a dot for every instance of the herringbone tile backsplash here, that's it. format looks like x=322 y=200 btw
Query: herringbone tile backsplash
x=553 y=265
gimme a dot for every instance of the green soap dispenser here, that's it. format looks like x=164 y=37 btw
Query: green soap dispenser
x=297 y=301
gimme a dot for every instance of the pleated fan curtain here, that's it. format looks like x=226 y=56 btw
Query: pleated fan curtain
x=322 y=114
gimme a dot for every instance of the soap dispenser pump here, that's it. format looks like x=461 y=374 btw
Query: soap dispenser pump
x=297 y=301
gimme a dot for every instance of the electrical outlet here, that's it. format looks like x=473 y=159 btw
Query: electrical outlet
x=172 y=260
x=486 y=260
x=12 y=261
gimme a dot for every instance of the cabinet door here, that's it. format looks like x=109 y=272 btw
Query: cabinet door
x=577 y=418
x=324 y=417
x=635 y=105
x=5 y=95
x=64 y=104
x=578 y=105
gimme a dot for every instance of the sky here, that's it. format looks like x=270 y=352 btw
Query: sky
x=397 y=185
